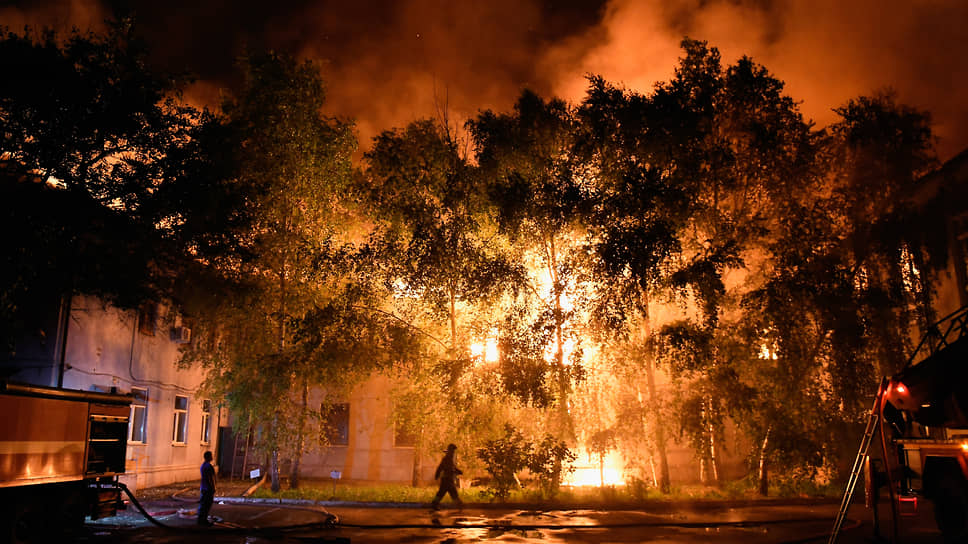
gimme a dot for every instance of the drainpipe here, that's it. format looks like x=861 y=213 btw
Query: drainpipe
x=65 y=321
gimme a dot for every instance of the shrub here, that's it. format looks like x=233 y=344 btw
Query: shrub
x=547 y=460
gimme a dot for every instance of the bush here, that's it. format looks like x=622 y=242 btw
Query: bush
x=547 y=460
x=503 y=458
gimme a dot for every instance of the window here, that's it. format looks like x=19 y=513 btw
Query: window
x=403 y=437
x=180 y=421
x=336 y=424
x=403 y=432
x=148 y=318
x=206 y=421
x=139 y=416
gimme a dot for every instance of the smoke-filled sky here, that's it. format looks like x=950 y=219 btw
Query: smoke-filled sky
x=387 y=62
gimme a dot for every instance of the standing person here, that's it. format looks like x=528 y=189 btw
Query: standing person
x=447 y=473
x=208 y=490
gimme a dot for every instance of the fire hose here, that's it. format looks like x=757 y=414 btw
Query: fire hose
x=333 y=522
x=330 y=522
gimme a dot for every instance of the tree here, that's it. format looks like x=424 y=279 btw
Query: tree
x=86 y=119
x=637 y=218
x=426 y=193
x=834 y=303
x=433 y=244
x=290 y=164
x=86 y=112
x=541 y=200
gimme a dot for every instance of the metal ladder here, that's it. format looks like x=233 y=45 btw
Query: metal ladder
x=855 y=472
x=938 y=336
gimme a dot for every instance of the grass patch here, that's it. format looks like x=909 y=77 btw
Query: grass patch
x=609 y=495
x=370 y=493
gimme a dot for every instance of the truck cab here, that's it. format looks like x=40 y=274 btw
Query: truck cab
x=924 y=423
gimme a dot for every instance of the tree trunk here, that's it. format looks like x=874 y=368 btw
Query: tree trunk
x=415 y=470
x=274 y=471
x=657 y=425
x=601 y=469
x=453 y=323
x=274 y=437
x=300 y=438
x=714 y=471
x=567 y=425
x=274 y=454
x=658 y=428
x=763 y=468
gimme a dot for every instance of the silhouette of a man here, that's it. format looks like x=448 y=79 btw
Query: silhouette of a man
x=207 y=488
x=447 y=473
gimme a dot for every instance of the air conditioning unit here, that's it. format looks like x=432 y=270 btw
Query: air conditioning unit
x=181 y=335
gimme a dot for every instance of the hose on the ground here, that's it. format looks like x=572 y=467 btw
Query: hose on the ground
x=332 y=522
x=329 y=523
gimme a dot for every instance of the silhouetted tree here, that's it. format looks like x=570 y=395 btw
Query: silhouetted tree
x=541 y=201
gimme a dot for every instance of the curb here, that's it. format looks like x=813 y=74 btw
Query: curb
x=698 y=504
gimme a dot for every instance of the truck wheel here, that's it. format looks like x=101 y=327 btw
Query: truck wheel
x=951 y=507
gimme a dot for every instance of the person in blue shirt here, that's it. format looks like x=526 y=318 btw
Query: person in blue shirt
x=208 y=490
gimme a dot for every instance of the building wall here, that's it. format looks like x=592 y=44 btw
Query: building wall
x=370 y=454
x=107 y=350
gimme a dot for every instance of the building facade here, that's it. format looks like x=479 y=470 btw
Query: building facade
x=86 y=344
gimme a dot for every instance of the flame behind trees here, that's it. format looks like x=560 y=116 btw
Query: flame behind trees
x=681 y=230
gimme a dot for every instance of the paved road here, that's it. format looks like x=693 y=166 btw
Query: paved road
x=686 y=523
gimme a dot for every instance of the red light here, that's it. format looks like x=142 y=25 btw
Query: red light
x=900 y=388
x=908 y=506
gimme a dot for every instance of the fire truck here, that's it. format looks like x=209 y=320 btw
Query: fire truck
x=921 y=417
x=61 y=452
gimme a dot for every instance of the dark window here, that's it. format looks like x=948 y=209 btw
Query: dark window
x=148 y=318
x=403 y=437
x=336 y=423
x=403 y=431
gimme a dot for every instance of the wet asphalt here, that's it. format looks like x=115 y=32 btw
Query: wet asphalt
x=253 y=522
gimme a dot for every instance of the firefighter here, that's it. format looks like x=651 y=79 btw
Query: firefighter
x=447 y=472
x=207 y=489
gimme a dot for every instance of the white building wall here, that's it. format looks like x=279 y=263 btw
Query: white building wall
x=105 y=350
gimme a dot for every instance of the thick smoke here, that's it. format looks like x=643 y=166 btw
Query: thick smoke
x=387 y=62
x=827 y=51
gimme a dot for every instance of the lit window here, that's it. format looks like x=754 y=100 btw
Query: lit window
x=206 y=421
x=139 y=416
x=180 y=420
x=336 y=424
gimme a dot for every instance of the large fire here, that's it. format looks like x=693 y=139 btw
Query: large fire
x=595 y=473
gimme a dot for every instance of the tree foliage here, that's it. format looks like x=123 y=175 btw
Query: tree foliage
x=701 y=233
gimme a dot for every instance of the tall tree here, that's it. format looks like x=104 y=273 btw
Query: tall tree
x=435 y=246
x=635 y=231
x=89 y=121
x=87 y=113
x=541 y=200
x=291 y=163
x=435 y=231
x=843 y=274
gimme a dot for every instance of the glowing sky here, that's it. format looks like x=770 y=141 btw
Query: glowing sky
x=387 y=62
